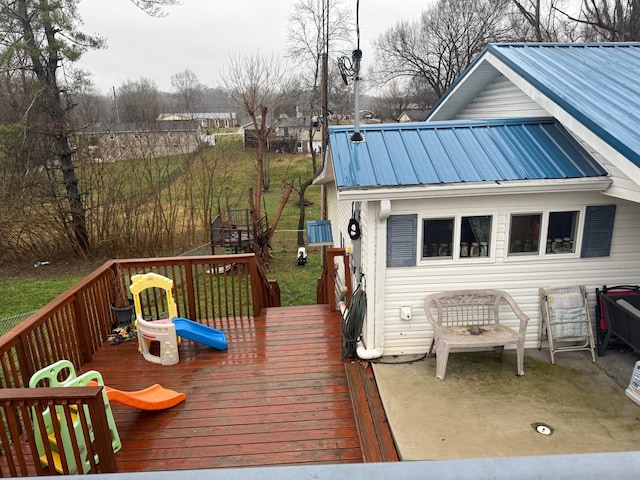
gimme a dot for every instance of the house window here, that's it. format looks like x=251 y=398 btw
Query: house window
x=437 y=238
x=525 y=234
x=561 y=234
x=458 y=237
x=526 y=237
x=475 y=236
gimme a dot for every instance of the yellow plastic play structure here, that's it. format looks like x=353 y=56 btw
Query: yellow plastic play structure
x=51 y=376
x=161 y=331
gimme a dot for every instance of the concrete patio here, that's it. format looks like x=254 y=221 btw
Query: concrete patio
x=482 y=409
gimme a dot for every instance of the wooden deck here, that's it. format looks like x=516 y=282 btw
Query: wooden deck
x=278 y=396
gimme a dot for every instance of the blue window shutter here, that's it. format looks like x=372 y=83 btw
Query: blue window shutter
x=598 y=230
x=402 y=233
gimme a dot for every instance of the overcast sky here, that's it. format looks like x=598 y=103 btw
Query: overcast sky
x=202 y=34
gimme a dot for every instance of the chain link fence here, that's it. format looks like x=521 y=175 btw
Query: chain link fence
x=283 y=241
x=286 y=240
x=8 y=323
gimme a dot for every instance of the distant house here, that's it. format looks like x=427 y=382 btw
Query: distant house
x=289 y=135
x=207 y=120
x=126 y=141
x=526 y=174
x=413 y=115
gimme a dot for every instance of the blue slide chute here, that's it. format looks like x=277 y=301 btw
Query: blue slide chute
x=200 y=333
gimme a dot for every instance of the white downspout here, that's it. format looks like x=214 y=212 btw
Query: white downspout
x=375 y=310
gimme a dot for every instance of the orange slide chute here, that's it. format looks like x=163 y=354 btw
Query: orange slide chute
x=155 y=397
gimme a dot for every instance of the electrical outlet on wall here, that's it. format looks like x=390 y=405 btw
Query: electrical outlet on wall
x=405 y=313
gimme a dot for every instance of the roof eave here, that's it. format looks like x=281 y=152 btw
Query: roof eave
x=597 y=184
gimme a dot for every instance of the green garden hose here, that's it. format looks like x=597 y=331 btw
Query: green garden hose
x=353 y=321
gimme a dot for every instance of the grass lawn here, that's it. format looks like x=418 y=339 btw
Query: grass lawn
x=30 y=294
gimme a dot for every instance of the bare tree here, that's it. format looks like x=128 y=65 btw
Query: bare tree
x=441 y=44
x=615 y=21
x=188 y=88
x=138 y=102
x=393 y=101
x=257 y=84
x=541 y=21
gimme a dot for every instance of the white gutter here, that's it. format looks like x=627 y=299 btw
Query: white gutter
x=599 y=184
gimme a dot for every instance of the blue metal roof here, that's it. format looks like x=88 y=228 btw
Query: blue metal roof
x=596 y=83
x=430 y=153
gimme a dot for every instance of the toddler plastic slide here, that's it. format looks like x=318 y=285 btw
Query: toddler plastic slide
x=155 y=397
x=200 y=333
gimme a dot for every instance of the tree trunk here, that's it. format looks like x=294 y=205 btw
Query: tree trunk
x=74 y=197
x=45 y=61
x=287 y=188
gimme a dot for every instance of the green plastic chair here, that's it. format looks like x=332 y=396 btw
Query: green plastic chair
x=55 y=375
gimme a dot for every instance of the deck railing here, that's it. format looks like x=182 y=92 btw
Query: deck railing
x=207 y=289
x=334 y=284
x=75 y=324
x=22 y=411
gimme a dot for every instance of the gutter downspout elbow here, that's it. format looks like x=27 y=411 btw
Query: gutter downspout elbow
x=385 y=209
x=368 y=354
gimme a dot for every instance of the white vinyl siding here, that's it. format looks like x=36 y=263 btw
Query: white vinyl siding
x=501 y=99
x=521 y=277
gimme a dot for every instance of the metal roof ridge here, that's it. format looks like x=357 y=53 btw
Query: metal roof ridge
x=447 y=124
x=492 y=46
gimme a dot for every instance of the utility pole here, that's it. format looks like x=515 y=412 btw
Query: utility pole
x=325 y=100
x=325 y=114
x=325 y=74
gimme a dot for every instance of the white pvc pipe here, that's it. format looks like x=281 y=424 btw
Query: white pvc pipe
x=368 y=354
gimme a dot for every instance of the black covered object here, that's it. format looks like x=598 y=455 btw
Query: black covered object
x=618 y=316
